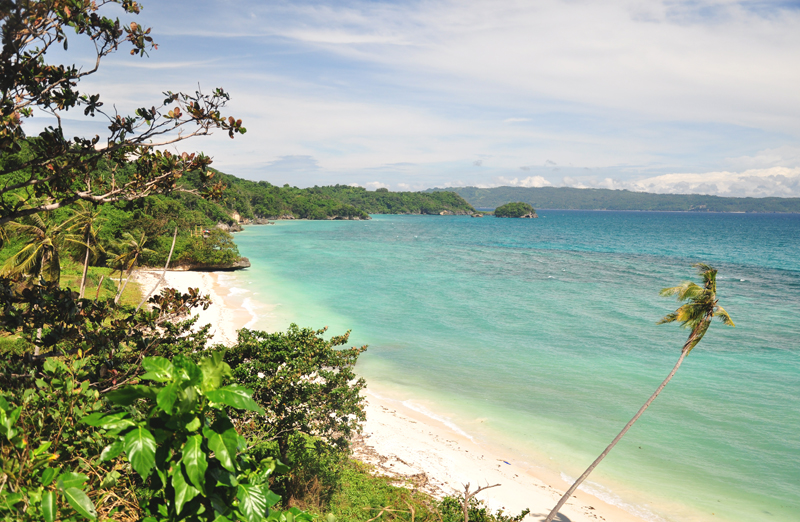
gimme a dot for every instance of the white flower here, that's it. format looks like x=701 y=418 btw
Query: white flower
x=260 y=375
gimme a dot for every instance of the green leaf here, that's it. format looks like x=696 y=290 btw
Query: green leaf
x=271 y=497
x=49 y=509
x=111 y=451
x=141 y=449
x=48 y=475
x=71 y=480
x=183 y=491
x=158 y=369
x=252 y=502
x=223 y=442
x=167 y=396
x=193 y=425
x=110 y=480
x=236 y=397
x=114 y=421
x=129 y=394
x=188 y=370
x=80 y=502
x=214 y=370
x=194 y=459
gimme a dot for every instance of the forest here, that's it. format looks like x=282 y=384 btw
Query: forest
x=567 y=198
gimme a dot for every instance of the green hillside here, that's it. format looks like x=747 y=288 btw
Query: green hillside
x=604 y=199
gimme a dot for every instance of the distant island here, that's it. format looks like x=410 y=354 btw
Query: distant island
x=568 y=198
x=517 y=209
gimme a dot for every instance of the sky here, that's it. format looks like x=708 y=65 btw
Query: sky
x=658 y=96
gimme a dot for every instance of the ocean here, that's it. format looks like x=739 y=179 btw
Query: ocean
x=540 y=337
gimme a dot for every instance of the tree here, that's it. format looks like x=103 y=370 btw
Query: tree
x=39 y=256
x=124 y=165
x=83 y=222
x=129 y=250
x=305 y=384
x=702 y=306
x=514 y=210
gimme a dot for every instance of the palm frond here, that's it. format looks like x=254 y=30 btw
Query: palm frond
x=723 y=316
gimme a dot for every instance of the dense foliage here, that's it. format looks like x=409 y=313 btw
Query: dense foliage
x=513 y=210
x=604 y=199
x=261 y=199
x=52 y=171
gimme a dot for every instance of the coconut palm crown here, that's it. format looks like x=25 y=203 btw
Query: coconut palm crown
x=701 y=307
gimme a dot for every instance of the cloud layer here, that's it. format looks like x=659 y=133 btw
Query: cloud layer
x=649 y=95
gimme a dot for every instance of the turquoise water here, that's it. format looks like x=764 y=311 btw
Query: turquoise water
x=540 y=337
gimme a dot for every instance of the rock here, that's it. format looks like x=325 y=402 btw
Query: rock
x=531 y=215
x=239 y=264
x=476 y=215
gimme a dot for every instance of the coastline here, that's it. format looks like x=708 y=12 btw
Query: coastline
x=224 y=316
x=428 y=453
x=404 y=441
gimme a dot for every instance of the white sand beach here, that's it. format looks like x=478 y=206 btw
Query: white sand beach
x=224 y=318
x=418 y=449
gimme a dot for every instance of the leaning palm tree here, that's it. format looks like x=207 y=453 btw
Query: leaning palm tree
x=130 y=250
x=701 y=306
x=83 y=224
x=39 y=256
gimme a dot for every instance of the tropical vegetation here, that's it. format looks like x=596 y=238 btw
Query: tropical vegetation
x=569 y=198
x=513 y=210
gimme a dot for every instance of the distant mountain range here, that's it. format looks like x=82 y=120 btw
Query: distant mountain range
x=568 y=198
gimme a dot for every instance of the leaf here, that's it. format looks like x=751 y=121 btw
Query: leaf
x=80 y=502
x=49 y=509
x=71 y=480
x=141 y=449
x=111 y=451
x=236 y=397
x=194 y=459
x=110 y=480
x=129 y=394
x=183 y=491
x=193 y=425
x=252 y=502
x=271 y=497
x=214 y=369
x=167 y=396
x=114 y=421
x=158 y=369
x=223 y=442
x=48 y=475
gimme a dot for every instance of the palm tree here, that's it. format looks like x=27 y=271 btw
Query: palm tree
x=702 y=306
x=84 y=222
x=130 y=249
x=39 y=256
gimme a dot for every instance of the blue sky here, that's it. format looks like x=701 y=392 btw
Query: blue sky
x=665 y=96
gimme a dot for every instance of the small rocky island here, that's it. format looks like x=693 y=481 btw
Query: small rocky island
x=515 y=210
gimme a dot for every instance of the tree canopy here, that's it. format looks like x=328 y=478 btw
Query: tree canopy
x=48 y=171
x=513 y=210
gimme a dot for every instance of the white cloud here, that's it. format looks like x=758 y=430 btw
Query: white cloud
x=530 y=181
x=375 y=185
x=775 y=181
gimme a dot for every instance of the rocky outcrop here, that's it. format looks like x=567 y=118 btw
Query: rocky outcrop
x=239 y=264
x=236 y=227
x=530 y=215
x=476 y=215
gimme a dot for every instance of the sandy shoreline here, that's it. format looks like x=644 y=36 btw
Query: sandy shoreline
x=225 y=319
x=401 y=441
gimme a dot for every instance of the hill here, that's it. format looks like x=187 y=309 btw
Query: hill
x=604 y=199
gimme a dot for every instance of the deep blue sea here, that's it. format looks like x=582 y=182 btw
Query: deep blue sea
x=540 y=336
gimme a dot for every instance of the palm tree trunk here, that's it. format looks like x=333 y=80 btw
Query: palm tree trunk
x=570 y=491
x=127 y=278
x=85 y=269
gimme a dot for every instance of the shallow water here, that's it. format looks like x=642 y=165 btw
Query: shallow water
x=540 y=336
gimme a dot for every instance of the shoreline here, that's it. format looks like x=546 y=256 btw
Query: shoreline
x=405 y=441
x=426 y=452
x=224 y=316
